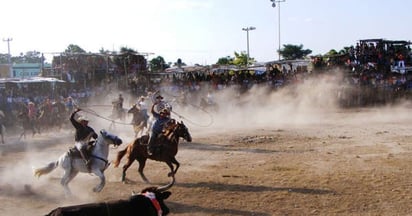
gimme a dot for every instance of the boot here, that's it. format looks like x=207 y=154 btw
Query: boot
x=85 y=157
x=150 y=145
x=149 y=151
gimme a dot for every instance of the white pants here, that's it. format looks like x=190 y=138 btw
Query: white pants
x=80 y=145
x=401 y=64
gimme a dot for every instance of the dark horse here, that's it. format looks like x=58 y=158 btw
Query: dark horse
x=169 y=141
x=139 y=120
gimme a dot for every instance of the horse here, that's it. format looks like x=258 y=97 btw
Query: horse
x=118 y=113
x=139 y=120
x=72 y=165
x=169 y=141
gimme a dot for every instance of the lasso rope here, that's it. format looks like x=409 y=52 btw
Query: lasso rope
x=92 y=112
x=197 y=107
x=113 y=121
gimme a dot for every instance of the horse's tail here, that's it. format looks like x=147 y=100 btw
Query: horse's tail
x=46 y=169
x=119 y=157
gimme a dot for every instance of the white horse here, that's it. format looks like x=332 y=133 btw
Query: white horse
x=73 y=165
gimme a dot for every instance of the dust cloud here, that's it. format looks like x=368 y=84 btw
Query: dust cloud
x=314 y=101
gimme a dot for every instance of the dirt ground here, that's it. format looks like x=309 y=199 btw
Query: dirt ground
x=286 y=160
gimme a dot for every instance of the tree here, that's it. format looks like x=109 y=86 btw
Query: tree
x=157 y=64
x=241 y=59
x=225 y=61
x=179 y=63
x=72 y=48
x=28 y=57
x=291 y=52
x=103 y=51
x=4 y=58
x=331 y=52
x=126 y=50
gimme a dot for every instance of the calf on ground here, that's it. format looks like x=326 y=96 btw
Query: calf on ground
x=150 y=202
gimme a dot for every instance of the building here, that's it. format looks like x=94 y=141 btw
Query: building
x=4 y=70
x=25 y=70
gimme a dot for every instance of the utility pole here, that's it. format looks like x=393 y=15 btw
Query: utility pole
x=9 y=55
x=8 y=47
x=274 y=5
x=247 y=42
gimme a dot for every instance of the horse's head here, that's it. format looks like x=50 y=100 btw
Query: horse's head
x=133 y=109
x=183 y=131
x=113 y=139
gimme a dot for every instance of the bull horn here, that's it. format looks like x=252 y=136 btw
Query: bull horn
x=168 y=186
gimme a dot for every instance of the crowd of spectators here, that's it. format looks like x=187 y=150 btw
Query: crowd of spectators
x=374 y=72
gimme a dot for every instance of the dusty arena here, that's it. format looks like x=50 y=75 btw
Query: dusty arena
x=290 y=152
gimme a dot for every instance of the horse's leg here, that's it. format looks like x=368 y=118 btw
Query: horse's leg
x=174 y=161
x=125 y=167
x=69 y=174
x=139 y=130
x=142 y=164
x=102 y=178
x=119 y=157
x=22 y=134
x=136 y=131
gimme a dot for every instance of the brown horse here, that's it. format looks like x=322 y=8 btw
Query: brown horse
x=168 y=147
x=139 y=120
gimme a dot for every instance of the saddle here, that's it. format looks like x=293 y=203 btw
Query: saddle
x=75 y=153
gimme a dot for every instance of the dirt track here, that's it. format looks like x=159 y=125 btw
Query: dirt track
x=336 y=162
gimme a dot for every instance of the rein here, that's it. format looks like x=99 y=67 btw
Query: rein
x=102 y=159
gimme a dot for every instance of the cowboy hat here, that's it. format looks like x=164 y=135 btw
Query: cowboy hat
x=82 y=118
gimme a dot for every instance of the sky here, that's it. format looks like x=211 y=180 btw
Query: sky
x=198 y=31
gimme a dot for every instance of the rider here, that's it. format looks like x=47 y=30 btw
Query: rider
x=83 y=131
x=161 y=104
x=118 y=106
x=161 y=119
x=143 y=107
x=120 y=102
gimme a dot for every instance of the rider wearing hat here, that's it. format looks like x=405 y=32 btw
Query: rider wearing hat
x=161 y=104
x=161 y=119
x=82 y=135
